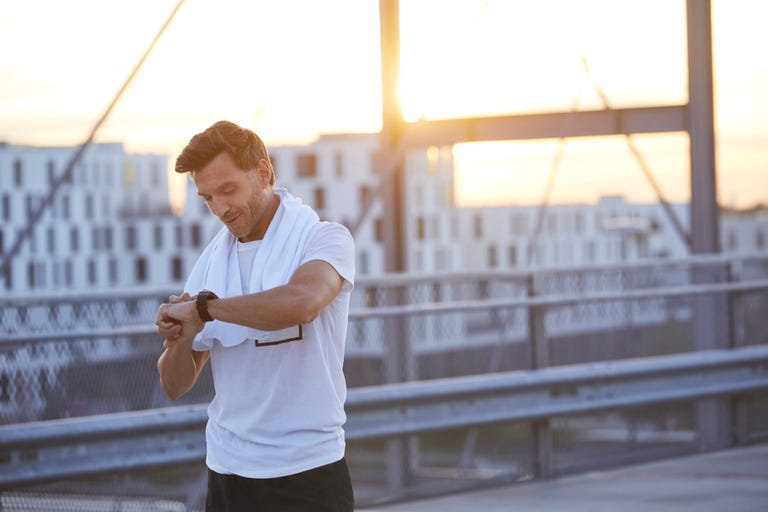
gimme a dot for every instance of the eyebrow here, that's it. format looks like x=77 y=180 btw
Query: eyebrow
x=220 y=187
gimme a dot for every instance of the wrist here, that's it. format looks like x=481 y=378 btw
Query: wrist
x=204 y=297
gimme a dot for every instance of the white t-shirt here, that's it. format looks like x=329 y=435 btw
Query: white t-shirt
x=279 y=408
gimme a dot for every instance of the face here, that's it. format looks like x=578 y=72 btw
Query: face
x=242 y=200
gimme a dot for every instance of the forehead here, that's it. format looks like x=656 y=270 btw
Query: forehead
x=219 y=172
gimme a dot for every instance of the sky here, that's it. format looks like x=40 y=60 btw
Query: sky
x=294 y=69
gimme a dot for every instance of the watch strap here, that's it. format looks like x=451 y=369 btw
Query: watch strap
x=202 y=304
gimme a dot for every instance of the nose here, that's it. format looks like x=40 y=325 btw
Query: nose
x=219 y=207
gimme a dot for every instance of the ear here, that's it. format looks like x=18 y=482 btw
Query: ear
x=264 y=173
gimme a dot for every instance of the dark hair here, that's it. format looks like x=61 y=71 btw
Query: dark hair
x=244 y=146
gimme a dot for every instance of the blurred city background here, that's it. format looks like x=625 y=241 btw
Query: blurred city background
x=560 y=210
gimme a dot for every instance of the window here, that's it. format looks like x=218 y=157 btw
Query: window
x=478 y=226
x=112 y=269
x=365 y=194
x=196 y=235
x=8 y=277
x=129 y=174
x=759 y=239
x=32 y=240
x=448 y=196
x=91 y=272
x=51 y=241
x=492 y=256
x=17 y=169
x=420 y=235
x=95 y=238
x=108 y=238
x=179 y=235
x=130 y=237
x=177 y=268
x=306 y=165
x=1 y=241
x=339 y=164
x=89 y=206
x=320 y=198
x=6 y=207
x=74 y=239
x=65 y=206
x=51 y=172
x=141 y=269
x=56 y=269
x=378 y=229
x=512 y=255
x=82 y=174
x=31 y=274
x=158 y=235
x=68 y=273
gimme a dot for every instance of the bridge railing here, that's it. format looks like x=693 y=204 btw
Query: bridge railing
x=476 y=378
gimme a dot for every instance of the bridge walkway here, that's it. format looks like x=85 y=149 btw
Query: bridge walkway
x=734 y=480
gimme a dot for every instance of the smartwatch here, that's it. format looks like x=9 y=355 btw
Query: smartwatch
x=203 y=297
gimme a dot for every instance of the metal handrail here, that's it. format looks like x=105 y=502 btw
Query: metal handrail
x=396 y=409
x=405 y=278
x=428 y=308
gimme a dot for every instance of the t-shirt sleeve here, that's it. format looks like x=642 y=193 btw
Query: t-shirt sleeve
x=333 y=243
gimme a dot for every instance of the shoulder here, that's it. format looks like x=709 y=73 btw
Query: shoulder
x=324 y=233
x=332 y=242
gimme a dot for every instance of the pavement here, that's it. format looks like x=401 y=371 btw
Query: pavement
x=734 y=480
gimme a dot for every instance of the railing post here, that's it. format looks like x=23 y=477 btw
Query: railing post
x=541 y=430
x=714 y=416
x=395 y=366
x=737 y=339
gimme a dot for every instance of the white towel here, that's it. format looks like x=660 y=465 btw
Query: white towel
x=278 y=257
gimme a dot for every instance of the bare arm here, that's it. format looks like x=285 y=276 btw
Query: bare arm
x=312 y=287
x=179 y=366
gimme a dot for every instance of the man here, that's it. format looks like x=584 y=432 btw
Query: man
x=267 y=303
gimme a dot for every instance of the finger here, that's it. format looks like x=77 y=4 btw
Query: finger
x=169 y=330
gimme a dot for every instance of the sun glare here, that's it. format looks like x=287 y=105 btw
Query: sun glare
x=495 y=58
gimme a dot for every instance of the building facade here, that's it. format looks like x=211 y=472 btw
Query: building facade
x=111 y=225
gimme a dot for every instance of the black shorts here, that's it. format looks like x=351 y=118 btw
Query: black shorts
x=324 y=489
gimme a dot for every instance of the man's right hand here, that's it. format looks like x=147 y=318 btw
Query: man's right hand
x=169 y=328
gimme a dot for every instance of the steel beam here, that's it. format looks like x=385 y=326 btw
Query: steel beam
x=591 y=123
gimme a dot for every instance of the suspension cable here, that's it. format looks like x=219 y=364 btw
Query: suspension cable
x=644 y=167
x=66 y=176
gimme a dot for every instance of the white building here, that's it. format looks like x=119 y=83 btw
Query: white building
x=112 y=225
